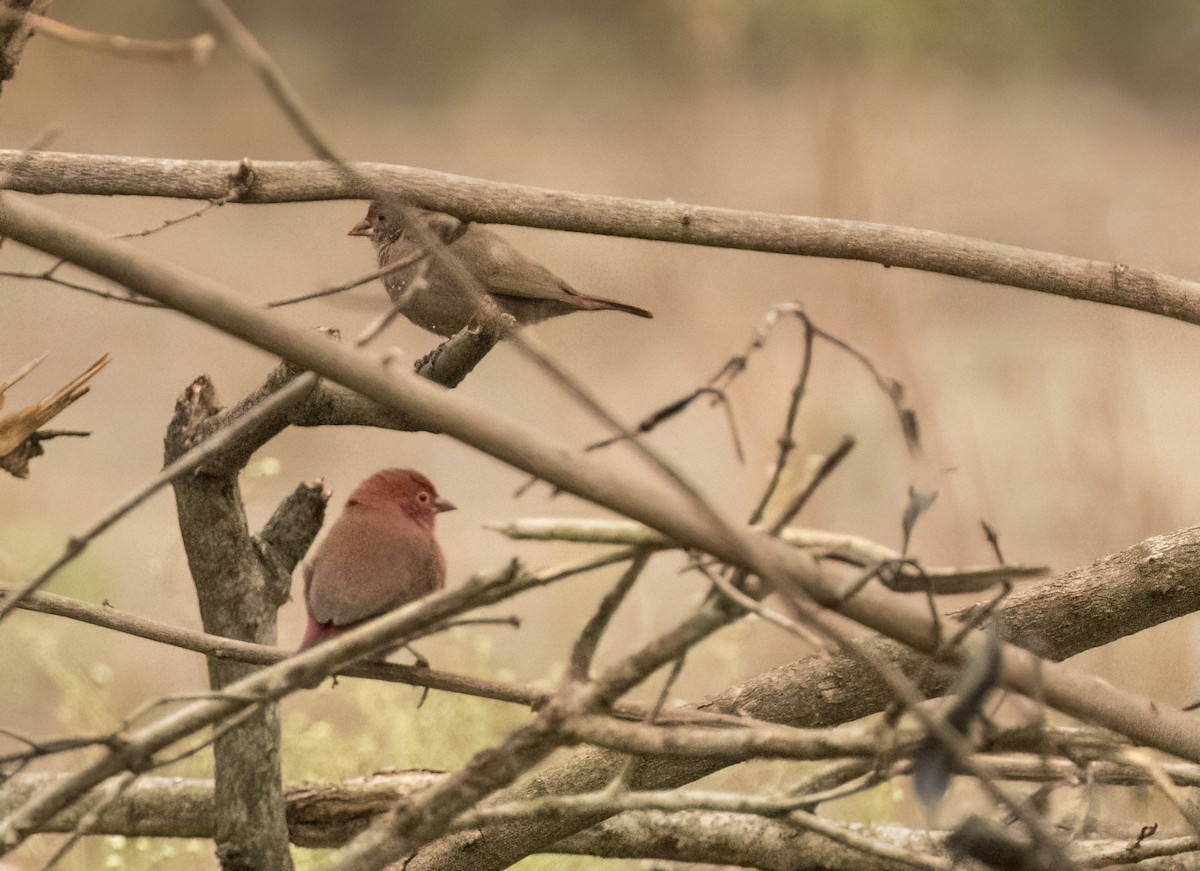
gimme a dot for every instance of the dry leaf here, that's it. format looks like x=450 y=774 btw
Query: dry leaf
x=16 y=428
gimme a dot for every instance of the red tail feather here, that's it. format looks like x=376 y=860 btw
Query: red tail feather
x=318 y=632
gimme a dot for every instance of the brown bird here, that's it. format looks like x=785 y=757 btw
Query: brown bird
x=514 y=283
x=380 y=554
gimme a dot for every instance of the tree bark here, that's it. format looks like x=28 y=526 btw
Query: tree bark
x=14 y=33
x=241 y=581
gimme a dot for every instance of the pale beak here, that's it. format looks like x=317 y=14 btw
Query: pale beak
x=441 y=505
x=362 y=228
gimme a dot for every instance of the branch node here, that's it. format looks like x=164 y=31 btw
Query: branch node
x=240 y=183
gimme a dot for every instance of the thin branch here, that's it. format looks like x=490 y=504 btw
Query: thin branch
x=721 y=525
x=166 y=224
x=589 y=639
x=219 y=647
x=787 y=440
x=402 y=263
x=278 y=87
x=112 y=791
x=590 y=805
x=828 y=464
x=197 y=49
x=821 y=544
x=1108 y=283
x=651 y=422
x=730 y=743
x=47 y=275
x=40 y=749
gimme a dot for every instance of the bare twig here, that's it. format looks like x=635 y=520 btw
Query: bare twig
x=219 y=647
x=828 y=464
x=196 y=49
x=591 y=805
x=112 y=791
x=786 y=441
x=589 y=639
x=39 y=749
x=496 y=202
x=402 y=263
x=993 y=540
x=667 y=412
x=48 y=275
x=239 y=183
x=279 y=88
x=821 y=544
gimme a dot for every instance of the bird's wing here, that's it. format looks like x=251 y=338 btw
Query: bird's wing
x=369 y=564
x=446 y=227
x=504 y=270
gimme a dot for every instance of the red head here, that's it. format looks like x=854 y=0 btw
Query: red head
x=410 y=491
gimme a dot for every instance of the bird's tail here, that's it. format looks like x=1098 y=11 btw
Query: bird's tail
x=316 y=632
x=596 y=303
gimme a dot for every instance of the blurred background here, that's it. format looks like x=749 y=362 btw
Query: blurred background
x=1068 y=127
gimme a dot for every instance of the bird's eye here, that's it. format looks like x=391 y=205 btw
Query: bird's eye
x=422 y=497
x=381 y=217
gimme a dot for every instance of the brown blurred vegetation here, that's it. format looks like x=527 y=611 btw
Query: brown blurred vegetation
x=1068 y=127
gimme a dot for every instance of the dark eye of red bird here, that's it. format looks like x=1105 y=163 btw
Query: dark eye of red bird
x=422 y=496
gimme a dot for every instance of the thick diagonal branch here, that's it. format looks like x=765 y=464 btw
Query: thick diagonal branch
x=526 y=448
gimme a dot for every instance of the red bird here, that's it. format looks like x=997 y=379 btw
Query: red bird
x=379 y=555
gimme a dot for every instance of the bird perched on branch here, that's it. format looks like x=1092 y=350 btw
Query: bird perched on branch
x=380 y=554
x=443 y=303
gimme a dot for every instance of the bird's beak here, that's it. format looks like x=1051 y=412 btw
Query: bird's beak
x=362 y=228
x=443 y=505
